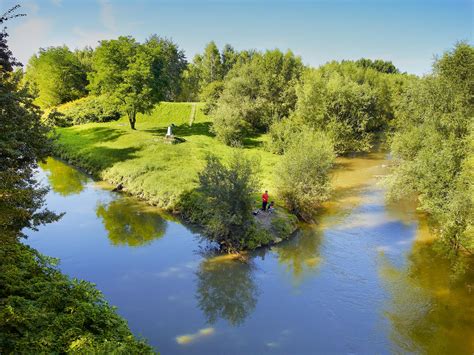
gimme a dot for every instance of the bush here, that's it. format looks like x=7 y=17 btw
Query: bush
x=281 y=134
x=89 y=109
x=43 y=311
x=223 y=204
x=303 y=173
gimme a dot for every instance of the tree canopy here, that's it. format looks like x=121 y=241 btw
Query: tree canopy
x=56 y=76
x=136 y=76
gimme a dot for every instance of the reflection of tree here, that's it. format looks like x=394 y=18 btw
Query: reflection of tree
x=429 y=311
x=301 y=255
x=64 y=179
x=130 y=223
x=226 y=289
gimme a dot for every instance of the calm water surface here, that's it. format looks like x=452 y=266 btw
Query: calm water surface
x=363 y=280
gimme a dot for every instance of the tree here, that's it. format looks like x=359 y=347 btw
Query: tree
x=380 y=65
x=23 y=143
x=303 y=173
x=211 y=65
x=56 y=75
x=256 y=94
x=433 y=147
x=224 y=202
x=135 y=76
x=350 y=103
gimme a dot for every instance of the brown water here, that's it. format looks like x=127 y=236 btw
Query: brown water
x=364 y=279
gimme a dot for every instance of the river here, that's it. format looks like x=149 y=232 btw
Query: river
x=363 y=279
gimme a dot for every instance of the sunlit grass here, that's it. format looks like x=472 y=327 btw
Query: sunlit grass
x=146 y=165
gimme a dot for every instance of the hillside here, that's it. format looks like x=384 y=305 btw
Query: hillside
x=144 y=163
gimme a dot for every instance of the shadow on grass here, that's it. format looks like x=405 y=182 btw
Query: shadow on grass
x=184 y=130
x=107 y=157
x=101 y=134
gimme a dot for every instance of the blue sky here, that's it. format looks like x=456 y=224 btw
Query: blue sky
x=408 y=32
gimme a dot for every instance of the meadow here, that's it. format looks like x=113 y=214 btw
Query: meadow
x=149 y=167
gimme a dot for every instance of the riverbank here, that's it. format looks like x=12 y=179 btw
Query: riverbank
x=160 y=173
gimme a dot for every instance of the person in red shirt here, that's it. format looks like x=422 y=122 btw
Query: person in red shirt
x=264 y=200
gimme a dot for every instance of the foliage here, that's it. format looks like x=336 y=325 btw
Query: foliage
x=382 y=66
x=228 y=193
x=23 y=143
x=41 y=310
x=210 y=94
x=88 y=109
x=282 y=133
x=433 y=146
x=256 y=94
x=45 y=312
x=136 y=76
x=350 y=103
x=303 y=173
x=56 y=75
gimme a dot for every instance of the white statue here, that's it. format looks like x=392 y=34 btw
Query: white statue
x=169 y=133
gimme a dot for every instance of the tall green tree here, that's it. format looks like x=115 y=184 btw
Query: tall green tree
x=256 y=93
x=135 y=76
x=433 y=147
x=56 y=76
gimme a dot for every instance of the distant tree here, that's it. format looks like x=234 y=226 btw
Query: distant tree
x=382 y=66
x=350 y=103
x=303 y=173
x=170 y=61
x=256 y=94
x=135 y=76
x=56 y=76
x=211 y=64
x=229 y=59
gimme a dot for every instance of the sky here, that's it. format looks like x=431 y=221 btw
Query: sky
x=408 y=32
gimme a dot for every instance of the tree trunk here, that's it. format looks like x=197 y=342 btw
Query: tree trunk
x=132 y=118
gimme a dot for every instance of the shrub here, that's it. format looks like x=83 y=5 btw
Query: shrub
x=89 y=109
x=303 y=172
x=223 y=203
x=281 y=134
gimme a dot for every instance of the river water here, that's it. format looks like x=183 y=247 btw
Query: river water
x=363 y=279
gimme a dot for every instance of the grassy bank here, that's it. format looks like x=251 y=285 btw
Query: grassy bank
x=145 y=164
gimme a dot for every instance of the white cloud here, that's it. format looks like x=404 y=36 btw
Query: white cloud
x=107 y=15
x=57 y=2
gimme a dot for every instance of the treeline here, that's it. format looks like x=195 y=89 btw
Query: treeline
x=433 y=144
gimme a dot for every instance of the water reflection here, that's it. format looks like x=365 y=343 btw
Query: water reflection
x=430 y=311
x=226 y=289
x=64 y=179
x=301 y=254
x=129 y=222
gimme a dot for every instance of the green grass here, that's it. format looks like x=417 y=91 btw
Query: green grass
x=147 y=166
